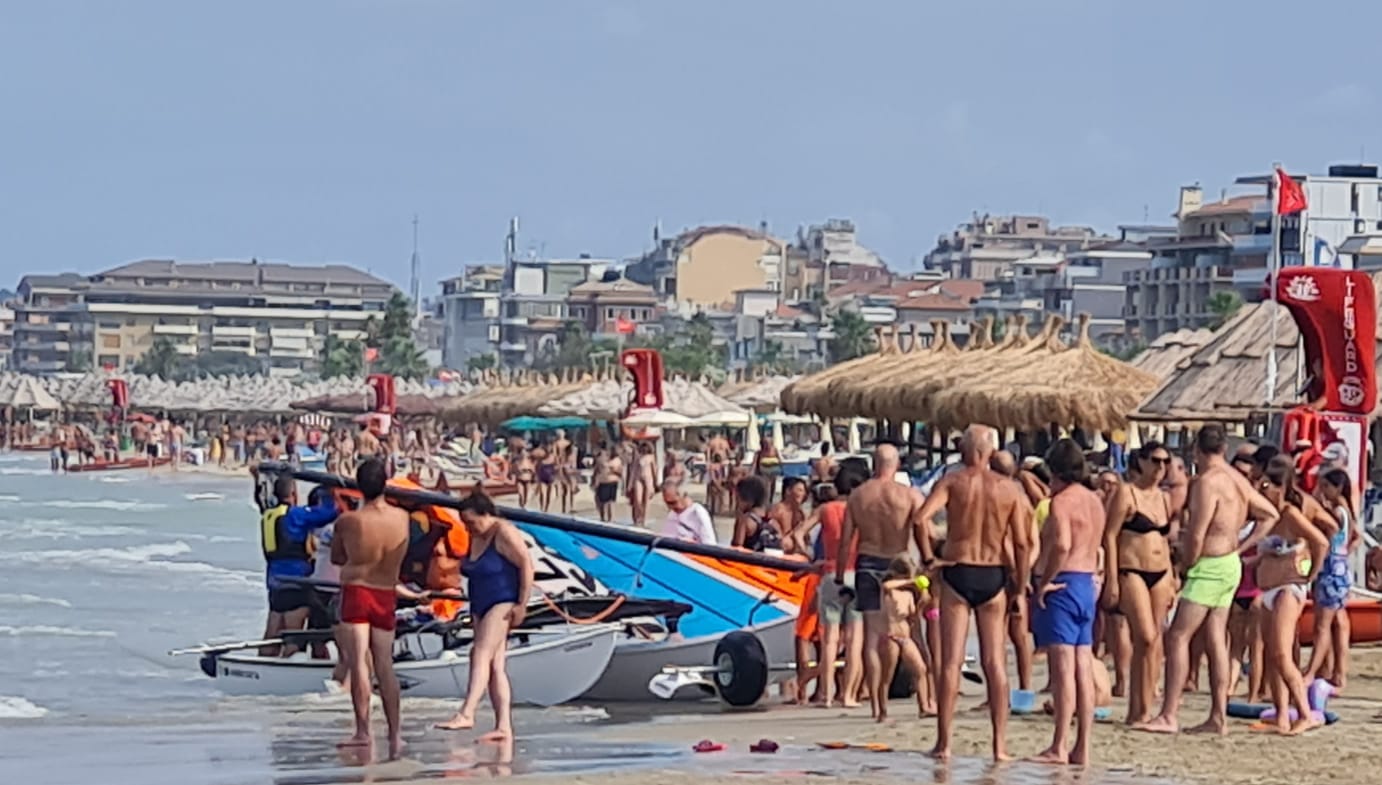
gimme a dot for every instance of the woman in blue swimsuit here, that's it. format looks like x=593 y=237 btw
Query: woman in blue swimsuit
x=1332 y=587
x=499 y=580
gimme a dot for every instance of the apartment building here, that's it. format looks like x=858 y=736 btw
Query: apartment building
x=826 y=256
x=988 y=245
x=701 y=269
x=279 y=313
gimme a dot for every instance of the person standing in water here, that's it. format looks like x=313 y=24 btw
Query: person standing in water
x=1219 y=501
x=369 y=545
x=983 y=511
x=1065 y=600
x=499 y=580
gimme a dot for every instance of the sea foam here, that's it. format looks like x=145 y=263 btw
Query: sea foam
x=50 y=631
x=16 y=708
x=32 y=599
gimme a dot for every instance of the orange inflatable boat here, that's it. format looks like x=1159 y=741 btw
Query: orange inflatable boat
x=1364 y=616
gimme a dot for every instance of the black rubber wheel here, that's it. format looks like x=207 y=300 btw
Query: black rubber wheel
x=901 y=686
x=742 y=661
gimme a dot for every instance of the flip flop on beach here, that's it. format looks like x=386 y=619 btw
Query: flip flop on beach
x=706 y=745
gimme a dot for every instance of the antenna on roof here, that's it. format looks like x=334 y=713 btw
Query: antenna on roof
x=415 y=284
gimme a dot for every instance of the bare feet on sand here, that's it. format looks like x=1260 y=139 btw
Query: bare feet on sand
x=1159 y=725
x=458 y=722
x=1302 y=725
x=1051 y=756
x=358 y=740
x=1210 y=727
x=396 y=745
x=940 y=753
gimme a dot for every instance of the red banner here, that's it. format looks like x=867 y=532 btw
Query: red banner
x=1336 y=311
x=645 y=365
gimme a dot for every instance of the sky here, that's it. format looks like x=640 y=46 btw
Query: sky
x=312 y=131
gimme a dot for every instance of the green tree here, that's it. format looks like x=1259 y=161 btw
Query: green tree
x=79 y=361
x=482 y=362
x=571 y=350
x=853 y=336
x=342 y=358
x=219 y=363
x=393 y=337
x=691 y=350
x=162 y=360
x=1223 y=305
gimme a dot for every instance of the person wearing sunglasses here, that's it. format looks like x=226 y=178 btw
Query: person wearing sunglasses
x=1138 y=583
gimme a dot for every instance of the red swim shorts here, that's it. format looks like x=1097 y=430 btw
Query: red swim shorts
x=367 y=605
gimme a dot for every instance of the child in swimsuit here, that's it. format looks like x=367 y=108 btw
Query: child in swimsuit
x=904 y=594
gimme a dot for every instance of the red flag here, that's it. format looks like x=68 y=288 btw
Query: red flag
x=371 y=354
x=1290 y=196
x=624 y=326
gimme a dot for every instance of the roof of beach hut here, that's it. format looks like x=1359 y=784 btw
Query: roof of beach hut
x=870 y=397
x=840 y=396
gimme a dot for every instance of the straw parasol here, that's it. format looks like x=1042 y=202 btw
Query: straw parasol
x=909 y=399
x=913 y=369
x=841 y=394
x=807 y=393
x=763 y=395
x=1074 y=385
x=28 y=393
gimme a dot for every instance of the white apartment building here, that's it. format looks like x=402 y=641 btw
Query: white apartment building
x=279 y=313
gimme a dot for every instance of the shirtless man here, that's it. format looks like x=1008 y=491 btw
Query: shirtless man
x=823 y=468
x=1005 y=464
x=717 y=463
x=1065 y=599
x=642 y=480
x=367 y=446
x=880 y=517
x=1220 y=499
x=607 y=476
x=369 y=545
x=982 y=509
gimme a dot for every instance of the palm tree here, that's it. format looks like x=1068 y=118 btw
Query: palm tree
x=853 y=336
x=402 y=358
x=342 y=358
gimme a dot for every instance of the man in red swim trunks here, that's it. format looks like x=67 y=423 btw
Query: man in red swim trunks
x=369 y=545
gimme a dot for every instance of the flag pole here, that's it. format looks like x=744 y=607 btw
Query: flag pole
x=1274 y=263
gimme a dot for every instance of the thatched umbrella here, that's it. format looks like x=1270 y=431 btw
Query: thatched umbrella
x=806 y=393
x=763 y=395
x=841 y=394
x=969 y=395
x=909 y=399
x=871 y=396
x=1075 y=385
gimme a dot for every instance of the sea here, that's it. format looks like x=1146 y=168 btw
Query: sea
x=102 y=574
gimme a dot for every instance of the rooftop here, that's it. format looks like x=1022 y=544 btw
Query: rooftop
x=1234 y=205
x=243 y=272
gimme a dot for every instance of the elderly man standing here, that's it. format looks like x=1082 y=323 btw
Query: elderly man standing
x=686 y=519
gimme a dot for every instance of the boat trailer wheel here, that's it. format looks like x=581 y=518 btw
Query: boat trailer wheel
x=741 y=668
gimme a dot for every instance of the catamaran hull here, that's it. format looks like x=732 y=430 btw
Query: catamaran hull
x=635 y=662
x=552 y=670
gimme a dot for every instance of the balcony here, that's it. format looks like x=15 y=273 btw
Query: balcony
x=514 y=321
x=291 y=333
x=278 y=351
x=176 y=329
x=227 y=331
x=1251 y=244
x=45 y=346
x=41 y=366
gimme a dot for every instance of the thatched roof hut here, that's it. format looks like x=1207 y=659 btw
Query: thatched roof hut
x=840 y=396
x=1165 y=354
x=859 y=396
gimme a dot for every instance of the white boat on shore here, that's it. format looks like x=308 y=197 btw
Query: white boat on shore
x=547 y=667
x=636 y=661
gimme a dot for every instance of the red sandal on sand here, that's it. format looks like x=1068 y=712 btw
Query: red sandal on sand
x=706 y=745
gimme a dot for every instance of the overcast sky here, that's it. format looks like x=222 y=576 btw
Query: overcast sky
x=312 y=130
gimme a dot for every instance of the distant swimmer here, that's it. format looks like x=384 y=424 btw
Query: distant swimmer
x=1219 y=500
x=369 y=545
x=882 y=518
x=983 y=510
x=1065 y=600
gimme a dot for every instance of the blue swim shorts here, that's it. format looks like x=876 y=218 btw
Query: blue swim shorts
x=1068 y=618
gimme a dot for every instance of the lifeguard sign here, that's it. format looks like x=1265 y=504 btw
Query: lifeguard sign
x=385 y=403
x=1336 y=312
x=645 y=365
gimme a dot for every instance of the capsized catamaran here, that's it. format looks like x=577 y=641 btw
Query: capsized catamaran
x=728 y=591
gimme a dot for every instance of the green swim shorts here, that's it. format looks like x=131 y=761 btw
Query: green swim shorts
x=1213 y=580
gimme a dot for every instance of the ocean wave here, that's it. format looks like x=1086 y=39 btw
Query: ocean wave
x=8 y=497
x=46 y=529
x=101 y=504
x=8 y=470
x=111 y=479
x=32 y=599
x=16 y=708
x=50 y=631
x=203 y=497
x=138 y=558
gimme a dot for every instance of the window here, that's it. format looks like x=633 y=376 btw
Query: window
x=109 y=360
x=609 y=313
x=110 y=341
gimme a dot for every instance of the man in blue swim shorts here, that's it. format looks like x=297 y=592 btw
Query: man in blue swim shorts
x=1065 y=598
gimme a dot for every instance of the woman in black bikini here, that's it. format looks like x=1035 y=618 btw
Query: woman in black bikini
x=753 y=529
x=1138 y=583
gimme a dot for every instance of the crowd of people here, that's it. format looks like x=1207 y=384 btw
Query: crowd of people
x=1154 y=569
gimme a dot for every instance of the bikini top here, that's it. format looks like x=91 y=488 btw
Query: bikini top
x=1139 y=523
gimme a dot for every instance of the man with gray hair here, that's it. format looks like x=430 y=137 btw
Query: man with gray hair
x=686 y=519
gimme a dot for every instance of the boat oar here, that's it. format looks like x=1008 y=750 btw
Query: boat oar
x=222 y=648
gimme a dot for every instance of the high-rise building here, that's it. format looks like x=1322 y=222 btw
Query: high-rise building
x=280 y=314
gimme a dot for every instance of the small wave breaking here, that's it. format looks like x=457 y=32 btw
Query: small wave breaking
x=32 y=599
x=51 y=631
x=13 y=707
